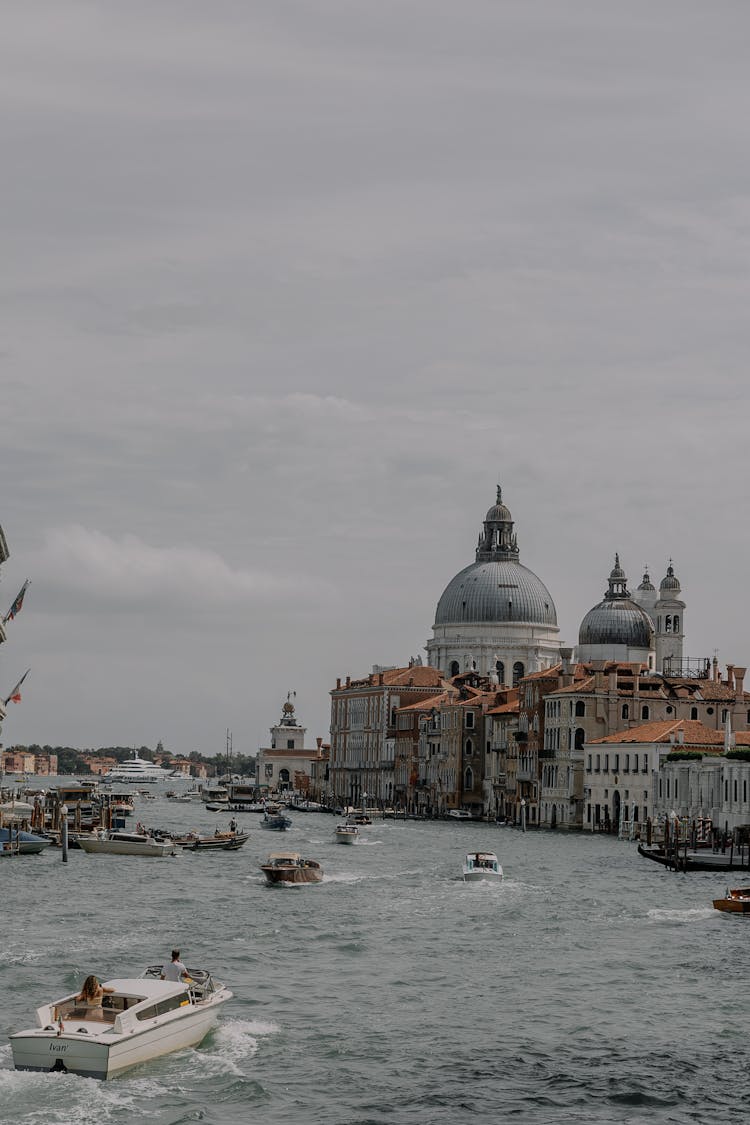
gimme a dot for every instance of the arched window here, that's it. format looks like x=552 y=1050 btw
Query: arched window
x=668 y=623
x=644 y=712
x=676 y=624
x=517 y=673
x=455 y=667
x=284 y=777
x=500 y=669
x=625 y=711
x=580 y=738
x=468 y=779
x=580 y=707
x=469 y=747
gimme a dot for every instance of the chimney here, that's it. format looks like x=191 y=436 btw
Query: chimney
x=681 y=736
x=566 y=655
x=716 y=670
x=739 y=680
x=730 y=675
x=319 y=743
x=338 y=682
x=598 y=669
x=613 y=682
x=348 y=681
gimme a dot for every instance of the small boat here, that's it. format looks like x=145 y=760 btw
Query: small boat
x=479 y=866
x=23 y=843
x=359 y=820
x=736 y=901
x=117 y=842
x=219 y=842
x=140 y=1019
x=289 y=867
x=459 y=814
x=277 y=822
x=347 y=833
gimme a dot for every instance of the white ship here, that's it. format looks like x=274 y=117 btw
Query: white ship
x=136 y=771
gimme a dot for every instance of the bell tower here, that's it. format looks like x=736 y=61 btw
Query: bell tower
x=669 y=613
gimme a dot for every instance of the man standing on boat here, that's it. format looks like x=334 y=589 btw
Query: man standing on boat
x=175 y=970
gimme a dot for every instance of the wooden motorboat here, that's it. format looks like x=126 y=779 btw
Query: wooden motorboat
x=140 y=1019
x=736 y=901
x=482 y=866
x=220 y=841
x=289 y=867
x=346 y=833
x=359 y=820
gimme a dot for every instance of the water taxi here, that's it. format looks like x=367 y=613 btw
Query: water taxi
x=736 y=901
x=481 y=866
x=346 y=833
x=138 y=1020
x=289 y=867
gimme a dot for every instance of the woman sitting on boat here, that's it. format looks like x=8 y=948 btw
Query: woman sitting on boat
x=92 y=994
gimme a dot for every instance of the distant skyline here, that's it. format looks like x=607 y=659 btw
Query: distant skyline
x=287 y=290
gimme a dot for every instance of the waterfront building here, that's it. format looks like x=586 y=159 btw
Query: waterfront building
x=502 y=797
x=286 y=764
x=645 y=772
x=496 y=617
x=364 y=730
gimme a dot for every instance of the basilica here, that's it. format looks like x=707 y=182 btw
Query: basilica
x=506 y=722
x=496 y=617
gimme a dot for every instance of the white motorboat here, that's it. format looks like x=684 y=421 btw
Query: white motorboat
x=347 y=833
x=117 y=842
x=140 y=1019
x=460 y=814
x=136 y=771
x=479 y=866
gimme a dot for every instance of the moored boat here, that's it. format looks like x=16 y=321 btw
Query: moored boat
x=346 y=833
x=24 y=843
x=139 y=1019
x=481 y=866
x=735 y=901
x=290 y=867
x=117 y=842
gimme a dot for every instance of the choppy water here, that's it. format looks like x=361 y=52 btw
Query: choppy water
x=590 y=986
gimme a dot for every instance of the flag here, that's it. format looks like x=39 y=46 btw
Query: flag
x=15 y=695
x=17 y=603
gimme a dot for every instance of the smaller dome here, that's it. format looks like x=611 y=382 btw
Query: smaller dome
x=646 y=584
x=670 y=581
x=617 y=572
x=617 y=622
x=499 y=513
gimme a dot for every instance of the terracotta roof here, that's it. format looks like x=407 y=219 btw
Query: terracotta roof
x=427 y=704
x=420 y=675
x=555 y=671
x=506 y=709
x=695 y=734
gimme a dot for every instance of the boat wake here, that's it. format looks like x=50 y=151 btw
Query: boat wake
x=691 y=915
x=232 y=1044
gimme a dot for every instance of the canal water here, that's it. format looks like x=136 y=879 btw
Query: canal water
x=590 y=986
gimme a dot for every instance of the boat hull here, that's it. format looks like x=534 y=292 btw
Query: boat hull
x=124 y=847
x=80 y=1053
x=275 y=877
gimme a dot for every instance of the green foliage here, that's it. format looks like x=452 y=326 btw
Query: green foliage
x=740 y=753
x=684 y=756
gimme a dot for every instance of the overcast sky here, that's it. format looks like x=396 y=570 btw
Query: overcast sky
x=287 y=288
